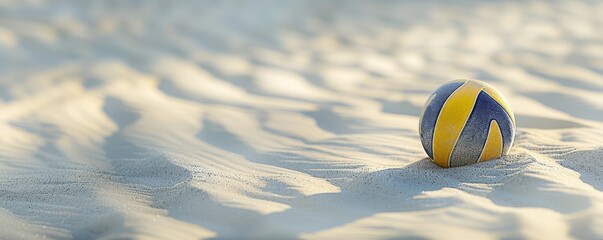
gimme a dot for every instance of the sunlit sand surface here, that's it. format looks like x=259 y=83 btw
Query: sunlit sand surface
x=292 y=119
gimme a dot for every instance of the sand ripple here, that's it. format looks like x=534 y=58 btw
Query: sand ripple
x=284 y=119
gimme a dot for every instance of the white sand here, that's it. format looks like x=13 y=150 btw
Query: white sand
x=292 y=119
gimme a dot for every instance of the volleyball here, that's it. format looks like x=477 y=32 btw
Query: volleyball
x=464 y=122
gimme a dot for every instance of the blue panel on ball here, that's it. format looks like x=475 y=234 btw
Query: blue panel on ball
x=471 y=142
x=430 y=115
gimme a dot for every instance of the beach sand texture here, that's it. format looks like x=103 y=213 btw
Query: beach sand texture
x=292 y=119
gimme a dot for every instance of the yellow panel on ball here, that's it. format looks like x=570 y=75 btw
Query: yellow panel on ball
x=464 y=122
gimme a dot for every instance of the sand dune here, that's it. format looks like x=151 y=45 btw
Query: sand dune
x=291 y=119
